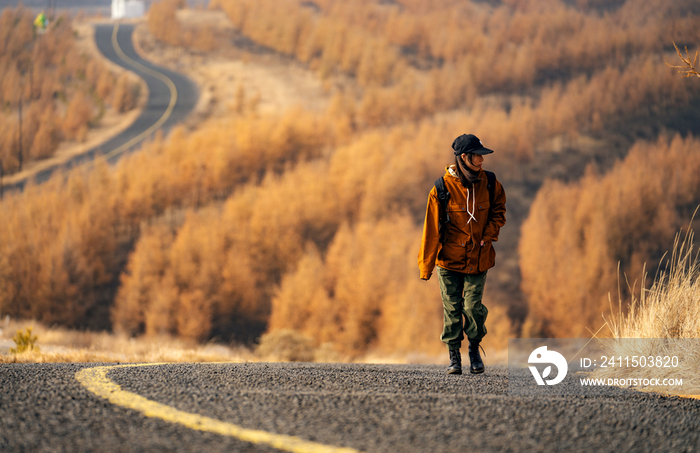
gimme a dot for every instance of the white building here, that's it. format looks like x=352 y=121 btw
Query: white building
x=127 y=8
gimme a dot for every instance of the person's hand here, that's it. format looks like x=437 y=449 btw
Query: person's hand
x=482 y=243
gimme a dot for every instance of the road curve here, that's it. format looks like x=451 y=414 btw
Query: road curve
x=171 y=98
x=411 y=408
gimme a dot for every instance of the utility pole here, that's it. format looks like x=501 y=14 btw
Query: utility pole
x=51 y=9
x=20 y=131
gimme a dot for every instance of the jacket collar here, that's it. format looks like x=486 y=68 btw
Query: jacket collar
x=450 y=170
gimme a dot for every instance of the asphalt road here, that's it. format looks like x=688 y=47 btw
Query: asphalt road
x=407 y=408
x=171 y=98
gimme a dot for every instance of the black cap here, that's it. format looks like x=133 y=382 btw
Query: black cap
x=468 y=143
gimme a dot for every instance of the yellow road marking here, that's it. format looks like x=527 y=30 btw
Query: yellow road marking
x=695 y=397
x=96 y=381
x=165 y=79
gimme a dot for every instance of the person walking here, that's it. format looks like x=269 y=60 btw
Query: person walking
x=466 y=210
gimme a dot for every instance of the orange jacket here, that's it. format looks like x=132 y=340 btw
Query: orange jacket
x=471 y=221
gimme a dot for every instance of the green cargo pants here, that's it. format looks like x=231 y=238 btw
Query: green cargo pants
x=461 y=297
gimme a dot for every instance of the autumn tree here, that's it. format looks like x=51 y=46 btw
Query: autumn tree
x=48 y=134
x=577 y=234
x=78 y=114
x=125 y=94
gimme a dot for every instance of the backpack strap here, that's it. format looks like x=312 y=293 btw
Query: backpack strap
x=490 y=184
x=443 y=197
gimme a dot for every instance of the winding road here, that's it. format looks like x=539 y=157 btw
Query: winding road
x=303 y=407
x=171 y=97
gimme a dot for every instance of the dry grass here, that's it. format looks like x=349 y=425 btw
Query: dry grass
x=664 y=318
x=62 y=345
x=671 y=307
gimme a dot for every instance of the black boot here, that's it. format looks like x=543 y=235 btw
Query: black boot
x=455 y=362
x=477 y=366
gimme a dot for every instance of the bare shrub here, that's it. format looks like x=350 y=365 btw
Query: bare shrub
x=286 y=346
x=688 y=69
x=24 y=341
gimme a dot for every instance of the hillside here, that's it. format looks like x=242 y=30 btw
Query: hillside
x=284 y=211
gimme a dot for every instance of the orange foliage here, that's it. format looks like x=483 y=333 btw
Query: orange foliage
x=576 y=234
x=534 y=38
x=78 y=114
x=328 y=43
x=63 y=238
x=195 y=286
x=48 y=133
x=125 y=94
x=162 y=22
x=137 y=305
x=417 y=60
x=58 y=251
x=362 y=296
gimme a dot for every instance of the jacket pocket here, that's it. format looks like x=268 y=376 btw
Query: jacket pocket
x=482 y=213
x=487 y=256
x=452 y=256
x=458 y=214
